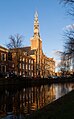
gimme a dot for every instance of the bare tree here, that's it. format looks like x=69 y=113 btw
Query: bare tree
x=69 y=35
x=63 y=65
x=69 y=47
x=15 y=41
x=69 y=44
x=67 y=1
x=70 y=4
x=15 y=49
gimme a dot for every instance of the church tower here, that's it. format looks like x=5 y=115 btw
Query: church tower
x=36 y=42
x=43 y=65
x=36 y=45
x=36 y=25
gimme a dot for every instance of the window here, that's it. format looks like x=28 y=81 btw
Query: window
x=3 y=56
x=23 y=66
x=29 y=60
x=3 y=68
x=32 y=73
x=32 y=67
x=26 y=60
x=13 y=65
x=29 y=73
x=20 y=59
x=20 y=73
x=25 y=53
x=23 y=59
x=20 y=65
x=9 y=56
x=26 y=66
x=29 y=67
x=23 y=72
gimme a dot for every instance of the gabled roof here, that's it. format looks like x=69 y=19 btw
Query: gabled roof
x=3 y=47
x=27 y=50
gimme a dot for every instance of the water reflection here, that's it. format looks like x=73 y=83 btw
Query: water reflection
x=24 y=101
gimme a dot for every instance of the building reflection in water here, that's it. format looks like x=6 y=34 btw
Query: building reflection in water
x=26 y=100
x=29 y=99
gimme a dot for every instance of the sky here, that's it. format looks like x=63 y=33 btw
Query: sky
x=17 y=16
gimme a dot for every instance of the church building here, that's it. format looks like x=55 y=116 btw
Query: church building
x=44 y=66
x=29 y=61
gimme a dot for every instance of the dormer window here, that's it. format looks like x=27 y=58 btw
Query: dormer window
x=25 y=53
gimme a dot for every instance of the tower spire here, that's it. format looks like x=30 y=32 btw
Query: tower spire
x=36 y=24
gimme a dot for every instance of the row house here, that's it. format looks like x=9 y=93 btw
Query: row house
x=18 y=63
x=23 y=64
x=47 y=66
x=3 y=59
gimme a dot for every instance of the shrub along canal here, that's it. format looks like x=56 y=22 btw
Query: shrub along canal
x=19 y=102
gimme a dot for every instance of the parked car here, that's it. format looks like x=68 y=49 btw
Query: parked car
x=53 y=77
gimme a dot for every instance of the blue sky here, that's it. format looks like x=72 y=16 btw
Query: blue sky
x=17 y=16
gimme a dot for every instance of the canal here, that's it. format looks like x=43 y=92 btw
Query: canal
x=19 y=102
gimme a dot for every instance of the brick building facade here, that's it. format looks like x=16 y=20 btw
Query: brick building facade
x=27 y=61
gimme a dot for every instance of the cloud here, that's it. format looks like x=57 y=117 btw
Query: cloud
x=56 y=52
x=69 y=27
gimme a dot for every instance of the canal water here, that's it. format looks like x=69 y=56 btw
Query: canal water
x=19 y=102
